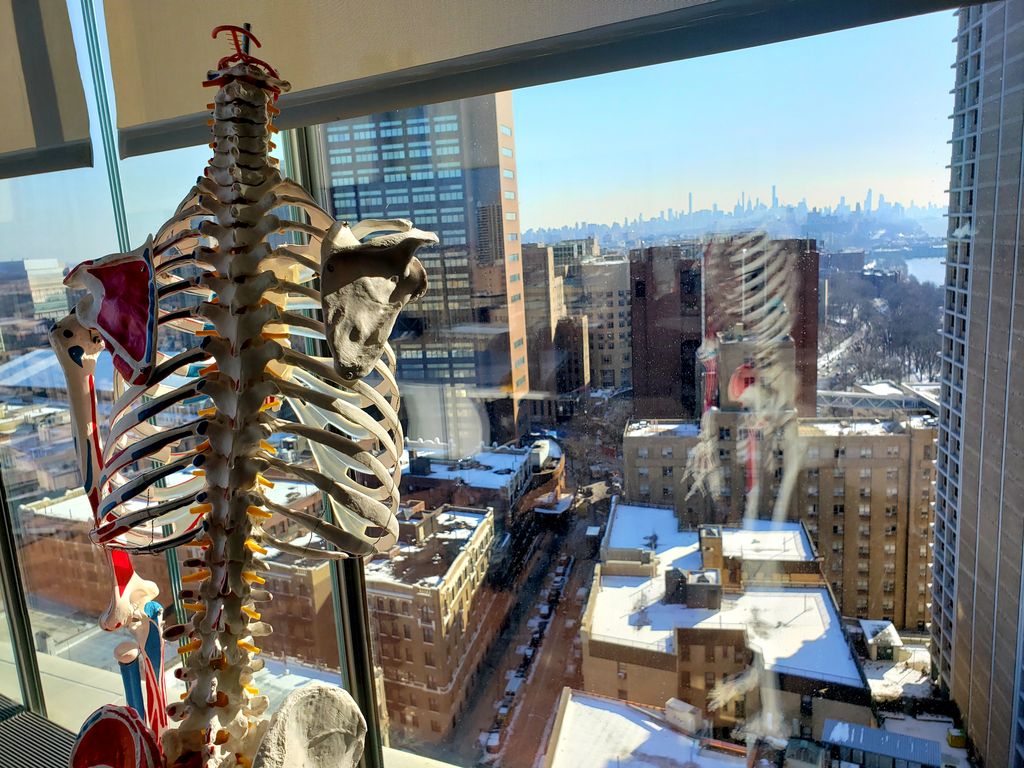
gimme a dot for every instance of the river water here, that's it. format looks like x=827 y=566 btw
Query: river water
x=931 y=270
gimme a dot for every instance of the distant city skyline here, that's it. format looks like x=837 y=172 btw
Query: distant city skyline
x=818 y=117
x=750 y=202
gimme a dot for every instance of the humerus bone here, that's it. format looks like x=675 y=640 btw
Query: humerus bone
x=164 y=480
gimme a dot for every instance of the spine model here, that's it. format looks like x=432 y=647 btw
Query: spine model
x=241 y=297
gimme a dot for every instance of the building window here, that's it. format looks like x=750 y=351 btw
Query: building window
x=505 y=130
x=508 y=173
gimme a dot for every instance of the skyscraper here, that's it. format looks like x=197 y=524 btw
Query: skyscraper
x=666 y=327
x=451 y=168
x=977 y=621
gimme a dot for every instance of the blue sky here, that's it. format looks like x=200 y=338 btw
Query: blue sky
x=819 y=117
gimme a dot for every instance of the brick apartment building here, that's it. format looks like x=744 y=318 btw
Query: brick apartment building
x=865 y=490
x=430 y=614
x=598 y=290
x=719 y=614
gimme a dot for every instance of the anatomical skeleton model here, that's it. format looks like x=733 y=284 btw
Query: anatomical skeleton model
x=241 y=295
x=755 y=287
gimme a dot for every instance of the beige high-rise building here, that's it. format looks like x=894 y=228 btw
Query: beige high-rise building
x=556 y=342
x=865 y=491
x=600 y=291
x=430 y=616
x=977 y=619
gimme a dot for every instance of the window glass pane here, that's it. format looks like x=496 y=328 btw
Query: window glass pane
x=557 y=315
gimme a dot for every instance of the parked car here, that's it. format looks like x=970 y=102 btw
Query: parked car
x=503 y=713
x=545 y=611
x=494 y=742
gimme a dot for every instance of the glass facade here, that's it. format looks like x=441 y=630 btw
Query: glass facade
x=630 y=440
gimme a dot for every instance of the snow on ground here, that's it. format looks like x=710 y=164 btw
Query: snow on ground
x=891 y=680
x=932 y=727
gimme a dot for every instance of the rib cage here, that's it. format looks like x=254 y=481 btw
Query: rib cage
x=753 y=291
x=205 y=484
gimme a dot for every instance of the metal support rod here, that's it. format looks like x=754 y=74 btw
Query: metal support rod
x=350 y=585
x=18 y=621
x=99 y=87
x=107 y=139
x=348 y=578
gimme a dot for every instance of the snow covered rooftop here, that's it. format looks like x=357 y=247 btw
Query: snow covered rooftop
x=548 y=505
x=597 y=731
x=663 y=428
x=797 y=630
x=74 y=504
x=837 y=427
x=882 y=388
x=487 y=469
x=426 y=564
x=877 y=632
x=634 y=527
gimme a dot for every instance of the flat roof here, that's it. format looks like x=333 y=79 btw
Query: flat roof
x=881 y=742
x=882 y=388
x=597 y=731
x=427 y=564
x=797 y=630
x=487 y=469
x=663 y=429
x=74 y=504
x=548 y=505
x=933 y=727
x=39 y=369
x=634 y=526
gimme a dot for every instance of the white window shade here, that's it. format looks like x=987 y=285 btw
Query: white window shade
x=46 y=123
x=346 y=58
